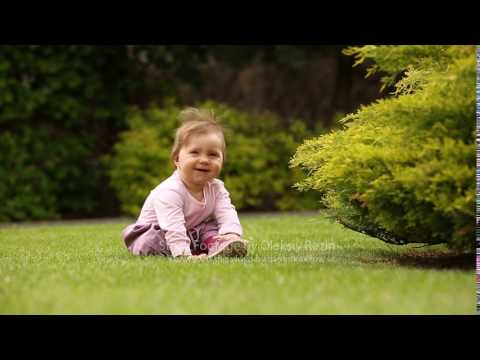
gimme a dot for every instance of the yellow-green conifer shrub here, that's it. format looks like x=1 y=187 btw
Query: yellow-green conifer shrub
x=403 y=168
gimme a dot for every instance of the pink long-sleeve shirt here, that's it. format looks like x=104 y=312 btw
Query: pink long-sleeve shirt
x=174 y=209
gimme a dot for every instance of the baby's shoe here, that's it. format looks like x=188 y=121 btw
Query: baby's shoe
x=227 y=248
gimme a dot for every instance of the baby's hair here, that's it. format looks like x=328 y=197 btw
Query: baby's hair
x=196 y=121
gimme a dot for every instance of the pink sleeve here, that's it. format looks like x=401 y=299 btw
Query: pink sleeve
x=225 y=212
x=168 y=205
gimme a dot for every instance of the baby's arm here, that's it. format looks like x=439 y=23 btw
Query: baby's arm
x=168 y=207
x=225 y=213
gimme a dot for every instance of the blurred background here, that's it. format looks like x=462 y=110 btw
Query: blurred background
x=85 y=131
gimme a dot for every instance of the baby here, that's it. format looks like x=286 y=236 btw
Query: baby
x=190 y=213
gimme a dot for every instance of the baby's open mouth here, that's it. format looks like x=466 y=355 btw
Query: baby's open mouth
x=202 y=170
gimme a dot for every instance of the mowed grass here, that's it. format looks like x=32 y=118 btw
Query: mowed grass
x=297 y=264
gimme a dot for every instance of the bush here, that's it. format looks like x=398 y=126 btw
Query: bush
x=61 y=107
x=402 y=169
x=256 y=171
x=35 y=170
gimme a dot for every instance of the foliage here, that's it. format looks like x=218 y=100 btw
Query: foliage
x=61 y=110
x=57 y=103
x=403 y=168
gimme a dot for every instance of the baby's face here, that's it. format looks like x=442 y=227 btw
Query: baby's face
x=200 y=159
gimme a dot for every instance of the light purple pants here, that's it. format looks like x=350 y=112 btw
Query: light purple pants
x=149 y=239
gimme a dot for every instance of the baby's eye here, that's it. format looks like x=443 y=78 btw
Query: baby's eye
x=193 y=152
x=214 y=155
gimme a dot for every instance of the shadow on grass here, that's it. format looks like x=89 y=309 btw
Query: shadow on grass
x=411 y=258
x=425 y=259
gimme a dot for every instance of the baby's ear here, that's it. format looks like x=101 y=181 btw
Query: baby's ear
x=175 y=161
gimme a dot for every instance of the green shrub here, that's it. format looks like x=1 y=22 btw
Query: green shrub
x=256 y=171
x=60 y=108
x=35 y=170
x=403 y=168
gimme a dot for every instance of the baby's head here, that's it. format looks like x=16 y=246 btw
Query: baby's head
x=195 y=122
x=199 y=148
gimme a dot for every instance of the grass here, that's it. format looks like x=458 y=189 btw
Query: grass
x=297 y=264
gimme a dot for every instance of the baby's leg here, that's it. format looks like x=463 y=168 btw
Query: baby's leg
x=220 y=247
x=149 y=239
x=209 y=231
x=133 y=231
x=201 y=235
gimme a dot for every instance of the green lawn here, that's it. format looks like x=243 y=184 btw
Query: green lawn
x=298 y=264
